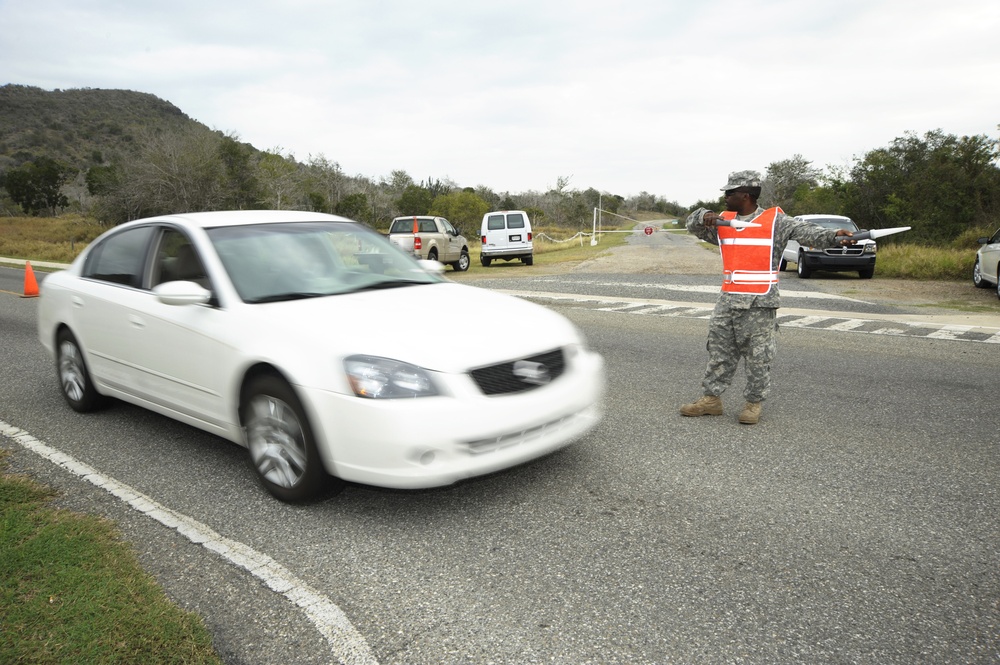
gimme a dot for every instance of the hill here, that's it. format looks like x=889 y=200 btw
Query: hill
x=80 y=127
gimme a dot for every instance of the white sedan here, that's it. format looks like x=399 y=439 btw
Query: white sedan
x=986 y=271
x=319 y=346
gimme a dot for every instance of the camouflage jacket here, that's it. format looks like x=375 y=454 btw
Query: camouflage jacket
x=785 y=228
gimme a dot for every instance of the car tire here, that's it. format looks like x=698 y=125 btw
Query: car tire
x=463 y=262
x=867 y=273
x=782 y=265
x=432 y=255
x=998 y=281
x=74 y=378
x=801 y=268
x=280 y=441
x=528 y=260
x=486 y=261
x=977 y=276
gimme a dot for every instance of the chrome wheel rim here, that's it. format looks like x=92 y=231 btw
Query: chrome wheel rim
x=71 y=372
x=977 y=275
x=276 y=441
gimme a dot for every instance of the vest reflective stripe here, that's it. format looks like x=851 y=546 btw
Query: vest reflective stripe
x=744 y=241
x=746 y=255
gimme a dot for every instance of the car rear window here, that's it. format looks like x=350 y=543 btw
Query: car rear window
x=494 y=222
x=515 y=221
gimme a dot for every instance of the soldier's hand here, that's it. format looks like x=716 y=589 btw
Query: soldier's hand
x=845 y=237
x=710 y=218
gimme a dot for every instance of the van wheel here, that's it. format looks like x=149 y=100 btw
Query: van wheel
x=528 y=260
x=486 y=261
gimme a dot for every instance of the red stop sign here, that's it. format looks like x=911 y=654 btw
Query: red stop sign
x=648 y=230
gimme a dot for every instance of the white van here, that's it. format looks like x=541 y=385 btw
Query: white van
x=506 y=235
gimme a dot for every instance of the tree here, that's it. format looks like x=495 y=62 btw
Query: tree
x=240 y=188
x=463 y=209
x=939 y=184
x=415 y=200
x=354 y=206
x=786 y=177
x=37 y=186
x=278 y=177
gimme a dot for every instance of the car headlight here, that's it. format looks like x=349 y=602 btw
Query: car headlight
x=870 y=248
x=381 y=378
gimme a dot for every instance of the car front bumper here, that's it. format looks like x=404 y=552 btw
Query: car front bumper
x=833 y=262
x=435 y=441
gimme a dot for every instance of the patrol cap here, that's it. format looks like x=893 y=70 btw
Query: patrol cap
x=738 y=179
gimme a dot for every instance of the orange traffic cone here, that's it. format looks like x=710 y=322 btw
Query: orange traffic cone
x=30 y=285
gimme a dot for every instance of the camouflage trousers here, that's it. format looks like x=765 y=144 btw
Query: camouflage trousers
x=741 y=333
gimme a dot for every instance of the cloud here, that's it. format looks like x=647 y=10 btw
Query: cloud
x=660 y=96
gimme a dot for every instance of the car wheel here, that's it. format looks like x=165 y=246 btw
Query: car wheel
x=463 y=262
x=801 y=268
x=998 y=280
x=282 y=449
x=432 y=255
x=977 y=276
x=783 y=265
x=867 y=273
x=74 y=379
x=486 y=261
x=528 y=260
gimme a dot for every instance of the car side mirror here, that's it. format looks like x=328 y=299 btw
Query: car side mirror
x=182 y=293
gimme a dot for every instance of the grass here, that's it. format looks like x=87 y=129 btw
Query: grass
x=71 y=591
x=56 y=239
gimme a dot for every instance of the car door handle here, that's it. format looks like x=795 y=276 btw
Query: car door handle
x=136 y=321
x=77 y=301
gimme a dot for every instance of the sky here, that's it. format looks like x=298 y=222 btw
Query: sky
x=659 y=96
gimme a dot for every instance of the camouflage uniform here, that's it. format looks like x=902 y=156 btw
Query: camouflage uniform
x=743 y=325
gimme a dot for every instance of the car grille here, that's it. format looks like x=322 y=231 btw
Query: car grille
x=520 y=375
x=856 y=250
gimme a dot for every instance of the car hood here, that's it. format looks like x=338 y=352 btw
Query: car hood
x=444 y=327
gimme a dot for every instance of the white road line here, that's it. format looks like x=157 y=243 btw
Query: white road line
x=348 y=645
x=950 y=332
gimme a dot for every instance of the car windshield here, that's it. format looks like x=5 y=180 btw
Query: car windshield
x=834 y=223
x=295 y=260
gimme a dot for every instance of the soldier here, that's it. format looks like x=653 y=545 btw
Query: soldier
x=744 y=321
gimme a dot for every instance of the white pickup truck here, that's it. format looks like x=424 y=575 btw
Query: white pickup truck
x=432 y=238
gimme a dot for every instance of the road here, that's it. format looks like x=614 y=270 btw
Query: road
x=858 y=522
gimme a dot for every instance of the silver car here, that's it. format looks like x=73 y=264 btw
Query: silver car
x=986 y=272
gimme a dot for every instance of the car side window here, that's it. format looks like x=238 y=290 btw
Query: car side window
x=515 y=221
x=120 y=258
x=996 y=237
x=177 y=260
x=448 y=228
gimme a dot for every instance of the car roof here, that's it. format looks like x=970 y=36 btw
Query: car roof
x=243 y=217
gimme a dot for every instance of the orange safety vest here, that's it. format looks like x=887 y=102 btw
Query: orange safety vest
x=746 y=254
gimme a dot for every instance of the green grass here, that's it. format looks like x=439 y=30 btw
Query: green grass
x=71 y=591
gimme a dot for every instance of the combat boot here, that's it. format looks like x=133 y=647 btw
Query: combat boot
x=709 y=405
x=751 y=413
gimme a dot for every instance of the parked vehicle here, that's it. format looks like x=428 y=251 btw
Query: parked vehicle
x=986 y=272
x=431 y=238
x=298 y=336
x=859 y=257
x=506 y=235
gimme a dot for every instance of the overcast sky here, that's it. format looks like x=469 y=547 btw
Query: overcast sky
x=661 y=96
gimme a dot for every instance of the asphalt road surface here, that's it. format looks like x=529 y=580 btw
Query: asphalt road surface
x=859 y=522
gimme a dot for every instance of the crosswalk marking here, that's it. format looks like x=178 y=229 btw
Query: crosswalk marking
x=888 y=327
